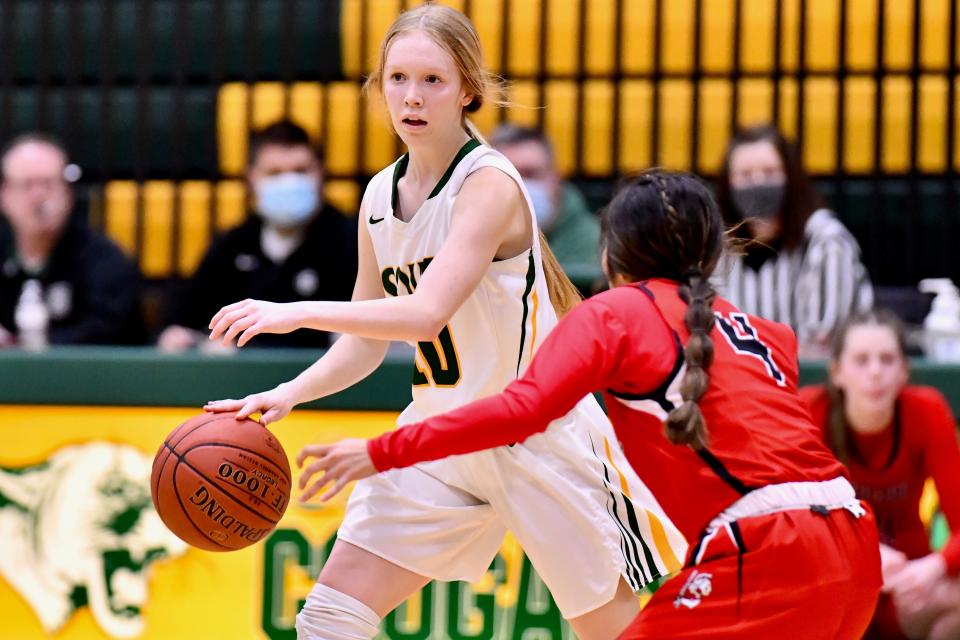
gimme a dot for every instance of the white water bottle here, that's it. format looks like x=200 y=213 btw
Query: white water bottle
x=942 y=325
x=32 y=317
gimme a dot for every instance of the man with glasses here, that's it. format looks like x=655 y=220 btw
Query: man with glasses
x=73 y=285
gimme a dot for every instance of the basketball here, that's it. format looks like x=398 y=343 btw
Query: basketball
x=219 y=483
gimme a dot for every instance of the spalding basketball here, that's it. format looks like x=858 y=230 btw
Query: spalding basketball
x=220 y=483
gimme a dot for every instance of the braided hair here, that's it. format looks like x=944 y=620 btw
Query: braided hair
x=667 y=225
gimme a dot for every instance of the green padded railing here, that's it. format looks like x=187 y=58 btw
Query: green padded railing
x=145 y=377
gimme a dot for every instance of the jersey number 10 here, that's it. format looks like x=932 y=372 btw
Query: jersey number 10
x=440 y=356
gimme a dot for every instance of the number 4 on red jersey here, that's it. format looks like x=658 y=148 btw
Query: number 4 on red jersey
x=745 y=340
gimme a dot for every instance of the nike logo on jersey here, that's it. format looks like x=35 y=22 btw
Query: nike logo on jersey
x=375 y=220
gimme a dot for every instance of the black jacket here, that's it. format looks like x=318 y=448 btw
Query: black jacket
x=91 y=288
x=324 y=267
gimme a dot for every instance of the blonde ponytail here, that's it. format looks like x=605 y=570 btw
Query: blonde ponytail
x=563 y=294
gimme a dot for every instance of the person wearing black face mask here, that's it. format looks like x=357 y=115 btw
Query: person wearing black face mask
x=799 y=264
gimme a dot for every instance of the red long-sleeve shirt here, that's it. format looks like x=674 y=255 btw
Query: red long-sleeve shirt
x=889 y=468
x=626 y=342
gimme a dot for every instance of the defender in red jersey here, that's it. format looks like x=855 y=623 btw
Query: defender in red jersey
x=780 y=546
x=892 y=438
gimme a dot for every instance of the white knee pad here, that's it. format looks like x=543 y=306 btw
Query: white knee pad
x=330 y=615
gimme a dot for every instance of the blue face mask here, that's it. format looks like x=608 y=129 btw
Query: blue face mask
x=543 y=207
x=287 y=199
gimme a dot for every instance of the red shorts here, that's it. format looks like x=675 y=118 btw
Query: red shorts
x=792 y=574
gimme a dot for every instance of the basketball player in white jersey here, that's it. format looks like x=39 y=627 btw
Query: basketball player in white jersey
x=488 y=298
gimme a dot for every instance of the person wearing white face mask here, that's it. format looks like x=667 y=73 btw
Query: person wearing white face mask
x=571 y=229
x=294 y=247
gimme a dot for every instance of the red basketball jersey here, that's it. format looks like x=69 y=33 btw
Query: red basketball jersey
x=628 y=342
x=759 y=431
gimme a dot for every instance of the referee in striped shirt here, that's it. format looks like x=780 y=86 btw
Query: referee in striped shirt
x=798 y=264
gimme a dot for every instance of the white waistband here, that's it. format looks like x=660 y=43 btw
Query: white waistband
x=830 y=494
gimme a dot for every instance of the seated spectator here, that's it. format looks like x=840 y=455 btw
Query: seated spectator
x=800 y=265
x=571 y=229
x=893 y=436
x=296 y=247
x=87 y=290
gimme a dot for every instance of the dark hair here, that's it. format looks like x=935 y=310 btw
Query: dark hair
x=32 y=136
x=837 y=425
x=283 y=133
x=507 y=134
x=799 y=201
x=667 y=225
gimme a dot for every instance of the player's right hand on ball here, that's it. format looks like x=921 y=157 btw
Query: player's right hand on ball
x=272 y=405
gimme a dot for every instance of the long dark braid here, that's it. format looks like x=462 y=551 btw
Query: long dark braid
x=667 y=225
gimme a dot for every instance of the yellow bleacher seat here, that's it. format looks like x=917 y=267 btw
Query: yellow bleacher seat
x=820 y=125
x=191 y=202
x=716 y=101
x=858 y=124
x=563 y=45
x=757 y=35
x=597 y=128
x=636 y=108
x=599 y=35
x=676 y=105
x=716 y=36
x=638 y=36
x=896 y=124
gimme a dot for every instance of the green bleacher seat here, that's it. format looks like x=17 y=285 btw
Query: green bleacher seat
x=149 y=40
x=143 y=129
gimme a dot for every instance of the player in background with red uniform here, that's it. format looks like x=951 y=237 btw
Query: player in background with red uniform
x=780 y=546
x=892 y=437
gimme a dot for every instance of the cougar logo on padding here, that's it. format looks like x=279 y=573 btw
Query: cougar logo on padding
x=80 y=530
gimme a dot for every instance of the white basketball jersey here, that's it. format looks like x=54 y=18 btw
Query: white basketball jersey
x=491 y=337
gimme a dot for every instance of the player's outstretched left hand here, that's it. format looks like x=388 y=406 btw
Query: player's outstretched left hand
x=341 y=463
x=248 y=318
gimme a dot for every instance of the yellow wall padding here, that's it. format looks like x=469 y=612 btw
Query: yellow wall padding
x=636 y=107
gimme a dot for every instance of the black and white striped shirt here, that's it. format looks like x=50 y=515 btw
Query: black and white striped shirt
x=812 y=289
